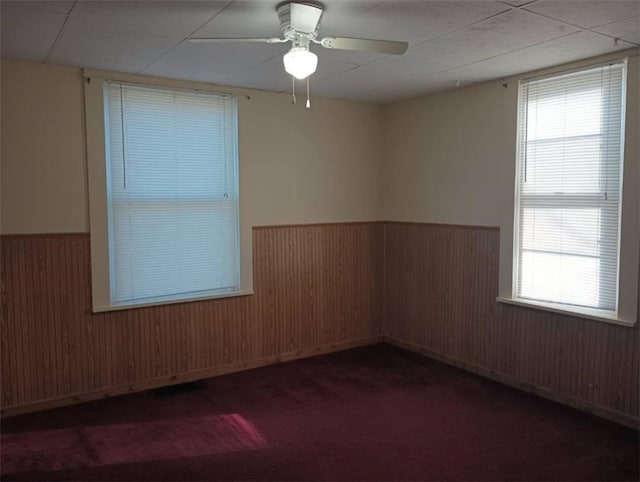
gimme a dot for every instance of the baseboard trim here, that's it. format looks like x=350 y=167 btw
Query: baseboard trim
x=579 y=404
x=185 y=377
x=594 y=409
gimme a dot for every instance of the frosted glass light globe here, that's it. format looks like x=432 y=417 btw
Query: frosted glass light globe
x=300 y=62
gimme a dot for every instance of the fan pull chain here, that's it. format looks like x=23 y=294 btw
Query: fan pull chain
x=308 y=102
x=293 y=90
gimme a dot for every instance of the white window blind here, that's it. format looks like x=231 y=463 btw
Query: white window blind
x=172 y=193
x=569 y=188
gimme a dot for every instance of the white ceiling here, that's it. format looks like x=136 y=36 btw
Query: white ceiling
x=451 y=41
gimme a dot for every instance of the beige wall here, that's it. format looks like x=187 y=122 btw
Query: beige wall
x=43 y=169
x=297 y=166
x=446 y=162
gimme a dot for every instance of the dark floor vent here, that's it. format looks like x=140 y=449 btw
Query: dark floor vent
x=177 y=389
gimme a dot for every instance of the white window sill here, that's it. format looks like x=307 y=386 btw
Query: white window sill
x=595 y=315
x=168 y=301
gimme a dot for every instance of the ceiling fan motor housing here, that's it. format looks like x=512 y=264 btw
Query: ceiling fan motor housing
x=299 y=21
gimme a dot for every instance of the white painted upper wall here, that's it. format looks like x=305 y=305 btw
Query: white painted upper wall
x=296 y=165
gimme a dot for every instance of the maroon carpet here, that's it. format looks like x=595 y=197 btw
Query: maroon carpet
x=375 y=413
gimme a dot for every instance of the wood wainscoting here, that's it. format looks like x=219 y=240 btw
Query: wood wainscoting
x=441 y=284
x=318 y=288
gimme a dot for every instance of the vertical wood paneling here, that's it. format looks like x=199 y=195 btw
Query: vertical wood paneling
x=441 y=286
x=314 y=286
x=431 y=286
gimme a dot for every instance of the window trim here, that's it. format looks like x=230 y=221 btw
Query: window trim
x=589 y=314
x=629 y=253
x=94 y=104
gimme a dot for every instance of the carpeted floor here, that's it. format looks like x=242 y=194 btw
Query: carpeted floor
x=374 y=413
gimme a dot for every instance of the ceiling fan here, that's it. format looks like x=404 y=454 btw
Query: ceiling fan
x=299 y=22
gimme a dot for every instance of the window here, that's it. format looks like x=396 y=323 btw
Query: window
x=163 y=186
x=173 y=210
x=569 y=189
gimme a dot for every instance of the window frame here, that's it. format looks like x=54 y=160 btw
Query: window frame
x=97 y=165
x=629 y=252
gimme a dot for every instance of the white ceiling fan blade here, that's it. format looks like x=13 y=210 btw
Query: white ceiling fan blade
x=365 y=45
x=236 y=39
x=304 y=18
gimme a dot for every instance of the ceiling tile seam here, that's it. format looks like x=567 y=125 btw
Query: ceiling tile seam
x=507 y=10
x=618 y=21
x=613 y=37
x=382 y=57
x=375 y=5
x=353 y=67
x=615 y=21
x=585 y=29
x=54 y=44
x=518 y=6
x=170 y=49
x=469 y=64
x=549 y=17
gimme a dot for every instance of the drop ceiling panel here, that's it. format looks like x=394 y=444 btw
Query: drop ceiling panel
x=57 y=6
x=410 y=20
x=470 y=39
x=28 y=33
x=516 y=3
x=496 y=36
x=246 y=18
x=555 y=52
x=628 y=30
x=172 y=18
x=485 y=40
x=127 y=36
x=97 y=43
x=213 y=62
x=587 y=13
x=404 y=20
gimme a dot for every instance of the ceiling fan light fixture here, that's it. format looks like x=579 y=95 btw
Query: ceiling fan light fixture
x=300 y=62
